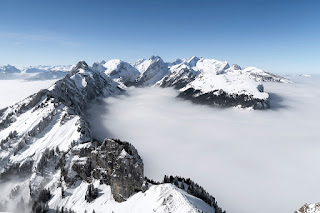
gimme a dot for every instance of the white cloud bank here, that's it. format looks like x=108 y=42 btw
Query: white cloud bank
x=251 y=161
x=13 y=91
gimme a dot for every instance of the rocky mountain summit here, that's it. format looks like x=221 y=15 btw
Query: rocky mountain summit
x=50 y=161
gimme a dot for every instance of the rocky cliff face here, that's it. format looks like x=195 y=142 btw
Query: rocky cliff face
x=114 y=163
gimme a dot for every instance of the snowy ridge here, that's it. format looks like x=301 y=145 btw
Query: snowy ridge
x=164 y=198
x=309 y=208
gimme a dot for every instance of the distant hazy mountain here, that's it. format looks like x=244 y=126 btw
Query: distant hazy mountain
x=8 y=69
x=34 y=72
x=46 y=68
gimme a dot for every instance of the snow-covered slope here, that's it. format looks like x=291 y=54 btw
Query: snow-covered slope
x=46 y=139
x=163 y=198
x=309 y=208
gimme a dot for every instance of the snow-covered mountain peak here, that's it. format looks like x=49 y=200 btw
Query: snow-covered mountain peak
x=143 y=64
x=211 y=66
x=192 y=61
x=151 y=70
x=155 y=58
x=120 y=71
x=81 y=65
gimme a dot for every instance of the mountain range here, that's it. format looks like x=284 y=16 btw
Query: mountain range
x=50 y=161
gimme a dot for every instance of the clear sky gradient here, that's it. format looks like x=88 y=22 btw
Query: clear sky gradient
x=277 y=36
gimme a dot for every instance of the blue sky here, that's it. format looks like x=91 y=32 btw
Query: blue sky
x=277 y=36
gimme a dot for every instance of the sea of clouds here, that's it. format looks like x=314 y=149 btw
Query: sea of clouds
x=251 y=161
x=15 y=90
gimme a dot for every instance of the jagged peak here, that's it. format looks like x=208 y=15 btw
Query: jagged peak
x=81 y=65
x=192 y=61
x=154 y=58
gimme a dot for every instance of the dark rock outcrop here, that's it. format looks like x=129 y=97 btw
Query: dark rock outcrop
x=114 y=163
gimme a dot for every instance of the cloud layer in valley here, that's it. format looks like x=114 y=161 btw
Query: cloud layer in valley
x=13 y=91
x=251 y=161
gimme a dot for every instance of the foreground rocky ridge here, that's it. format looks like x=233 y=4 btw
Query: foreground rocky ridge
x=50 y=161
